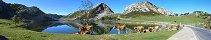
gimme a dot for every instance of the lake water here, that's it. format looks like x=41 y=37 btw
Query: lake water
x=61 y=29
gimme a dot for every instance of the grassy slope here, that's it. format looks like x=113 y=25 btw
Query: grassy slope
x=17 y=33
x=179 y=19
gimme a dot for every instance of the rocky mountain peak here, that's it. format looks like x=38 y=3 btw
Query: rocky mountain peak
x=145 y=3
x=146 y=7
x=96 y=12
x=102 y=7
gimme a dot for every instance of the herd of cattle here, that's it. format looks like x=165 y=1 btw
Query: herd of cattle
x=138 y=29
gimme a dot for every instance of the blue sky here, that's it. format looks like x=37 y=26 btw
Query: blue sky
x=64 y=7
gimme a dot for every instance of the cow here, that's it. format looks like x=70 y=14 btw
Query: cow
x=120 y=27
x=155 y=28
x=85 y=29
x=151 y=29
x=146 y=30
x=171 y=27
x=139 y=29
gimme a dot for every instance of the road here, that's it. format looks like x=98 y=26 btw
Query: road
x=184 y=34
x=192 y=33
x=201 y=33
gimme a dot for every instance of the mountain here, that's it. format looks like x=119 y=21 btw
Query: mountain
x=95 y=13
x=55 y=16
x=25 y=14
x=146 y=7
x=6 y=12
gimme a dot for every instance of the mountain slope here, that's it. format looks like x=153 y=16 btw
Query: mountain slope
x=146 y=7
x=95 y=13
x=26 y=14
x=55 y=16
x=6 y=12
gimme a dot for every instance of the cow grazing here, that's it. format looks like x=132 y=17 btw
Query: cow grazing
x=146 y=30
x=119 y=27
x=139 y=29
x=155 y=28
x=171 y=27
x=85 y=29
x=150 y=29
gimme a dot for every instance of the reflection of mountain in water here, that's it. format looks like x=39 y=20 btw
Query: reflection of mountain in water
x=63 y=29
x=41 y=26
x=115 y=31
x=99 y=27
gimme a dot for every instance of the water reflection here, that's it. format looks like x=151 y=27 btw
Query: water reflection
x=115 y=31
x=62 y=29
x=68 y=27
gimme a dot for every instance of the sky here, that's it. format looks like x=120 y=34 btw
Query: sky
x=65 y=7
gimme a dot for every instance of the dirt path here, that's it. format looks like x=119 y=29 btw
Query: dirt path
x=185 y=34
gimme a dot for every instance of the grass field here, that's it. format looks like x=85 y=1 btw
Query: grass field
x=12 y=32
x=187 y=19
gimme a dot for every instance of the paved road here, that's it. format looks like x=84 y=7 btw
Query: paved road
x=192 y=33
x=185 y=34
x=202 y=34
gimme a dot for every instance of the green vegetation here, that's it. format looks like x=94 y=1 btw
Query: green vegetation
x=137 y=14
x=16 y=19
x=186 y=19
x=206 y=24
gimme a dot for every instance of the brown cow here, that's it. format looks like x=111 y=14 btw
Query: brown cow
x=139 y=29
x=120 y=27
x=155 y=28
x=85 y=29
x=150 y=29
x=171 y=27
x=146 y=30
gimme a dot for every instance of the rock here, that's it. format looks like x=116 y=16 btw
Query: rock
x=146 y=7
x=3 y=37
x=95 y=13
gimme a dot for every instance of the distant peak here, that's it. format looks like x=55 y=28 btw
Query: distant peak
x=146 y=6
x=146 y=2
x=101 y=3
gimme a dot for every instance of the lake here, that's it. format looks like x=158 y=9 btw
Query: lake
x=61 y=29
x=64 y=27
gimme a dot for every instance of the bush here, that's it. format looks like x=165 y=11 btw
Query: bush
x=16 y=19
